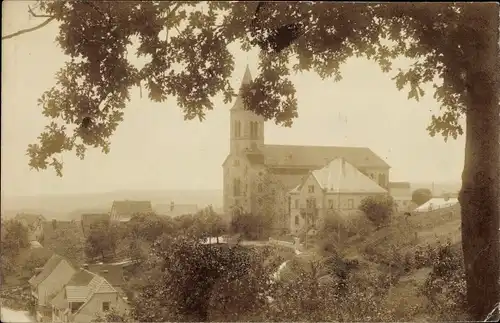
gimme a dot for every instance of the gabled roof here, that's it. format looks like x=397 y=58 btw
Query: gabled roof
x=48 y=268
x=126 y=209
x=315 y=157
x=112 y=273
x=339 y=176
x=82 y=286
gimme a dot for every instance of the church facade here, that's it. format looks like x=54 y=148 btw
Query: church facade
x=250 y=159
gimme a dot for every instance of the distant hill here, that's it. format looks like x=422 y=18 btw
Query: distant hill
x=71 y=206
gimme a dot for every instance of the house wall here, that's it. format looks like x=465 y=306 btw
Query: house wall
x=346 y=202
x=59 y=277
x=89 y=310
x=298 y=221
x=375 y=172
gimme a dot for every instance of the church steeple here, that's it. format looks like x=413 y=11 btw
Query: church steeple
x=247 y=79
x=247 y=128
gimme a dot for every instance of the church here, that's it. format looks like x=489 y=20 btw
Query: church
x=250 y=157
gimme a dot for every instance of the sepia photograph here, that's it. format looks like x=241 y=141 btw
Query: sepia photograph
x=250 y=161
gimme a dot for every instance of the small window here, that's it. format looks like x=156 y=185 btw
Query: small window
x=297 y=220
x=297 y=203
x=311 y=188
x=330 y=204
x=350 y=204
x=105 y=306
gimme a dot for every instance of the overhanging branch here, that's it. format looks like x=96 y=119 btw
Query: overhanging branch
x=28 y=30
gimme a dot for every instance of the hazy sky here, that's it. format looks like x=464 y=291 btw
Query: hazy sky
x=154 y=148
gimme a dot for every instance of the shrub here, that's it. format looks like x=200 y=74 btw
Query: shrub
x=445 y=288
x=378 y=209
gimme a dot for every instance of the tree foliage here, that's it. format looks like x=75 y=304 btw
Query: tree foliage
x=14 y=237
x=92 y=89
x=453 y=46
x=251 y=226
x=378 y=208
x=270 y=199
x=101 y=240
x=196 y=282
x=421 y=195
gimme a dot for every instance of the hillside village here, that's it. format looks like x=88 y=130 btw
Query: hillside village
x=332 y=209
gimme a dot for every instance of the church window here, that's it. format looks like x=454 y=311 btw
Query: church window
x=237 y=129
x=311 y=188
x=297 y=201
x=254 y=129
x=330 y=204
x=236 y=187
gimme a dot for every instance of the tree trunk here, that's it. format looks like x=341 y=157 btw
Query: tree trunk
x=479 y=196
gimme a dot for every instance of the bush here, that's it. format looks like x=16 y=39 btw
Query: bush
x=251 y=227
x=445 y=288
x=378 y=209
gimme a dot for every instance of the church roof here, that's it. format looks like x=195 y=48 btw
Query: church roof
x=317 y=156
x=247 y=79
x=339 y=176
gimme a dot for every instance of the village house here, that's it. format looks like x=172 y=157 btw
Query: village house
x=122 y=211
x=34 y=224
x=250 y=158
x=86 y=295
x=402 y=195
x=339 y=187
x=56 y=272
x=92 y=219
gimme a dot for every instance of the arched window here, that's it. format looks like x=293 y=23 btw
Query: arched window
x=237 y=128
x=254 y=130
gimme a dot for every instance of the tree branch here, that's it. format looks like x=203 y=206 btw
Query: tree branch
x=32 y=13
x=27 y=30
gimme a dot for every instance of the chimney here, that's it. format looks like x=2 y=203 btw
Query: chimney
x=85 y=266
x=38 y=270
x=54 y=224
x=172 y=206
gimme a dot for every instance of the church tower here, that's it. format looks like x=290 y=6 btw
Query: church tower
x=247 y=128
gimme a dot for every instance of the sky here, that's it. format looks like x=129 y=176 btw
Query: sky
x=154 y=148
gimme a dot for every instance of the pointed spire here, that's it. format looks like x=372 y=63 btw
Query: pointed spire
x=247 y=77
